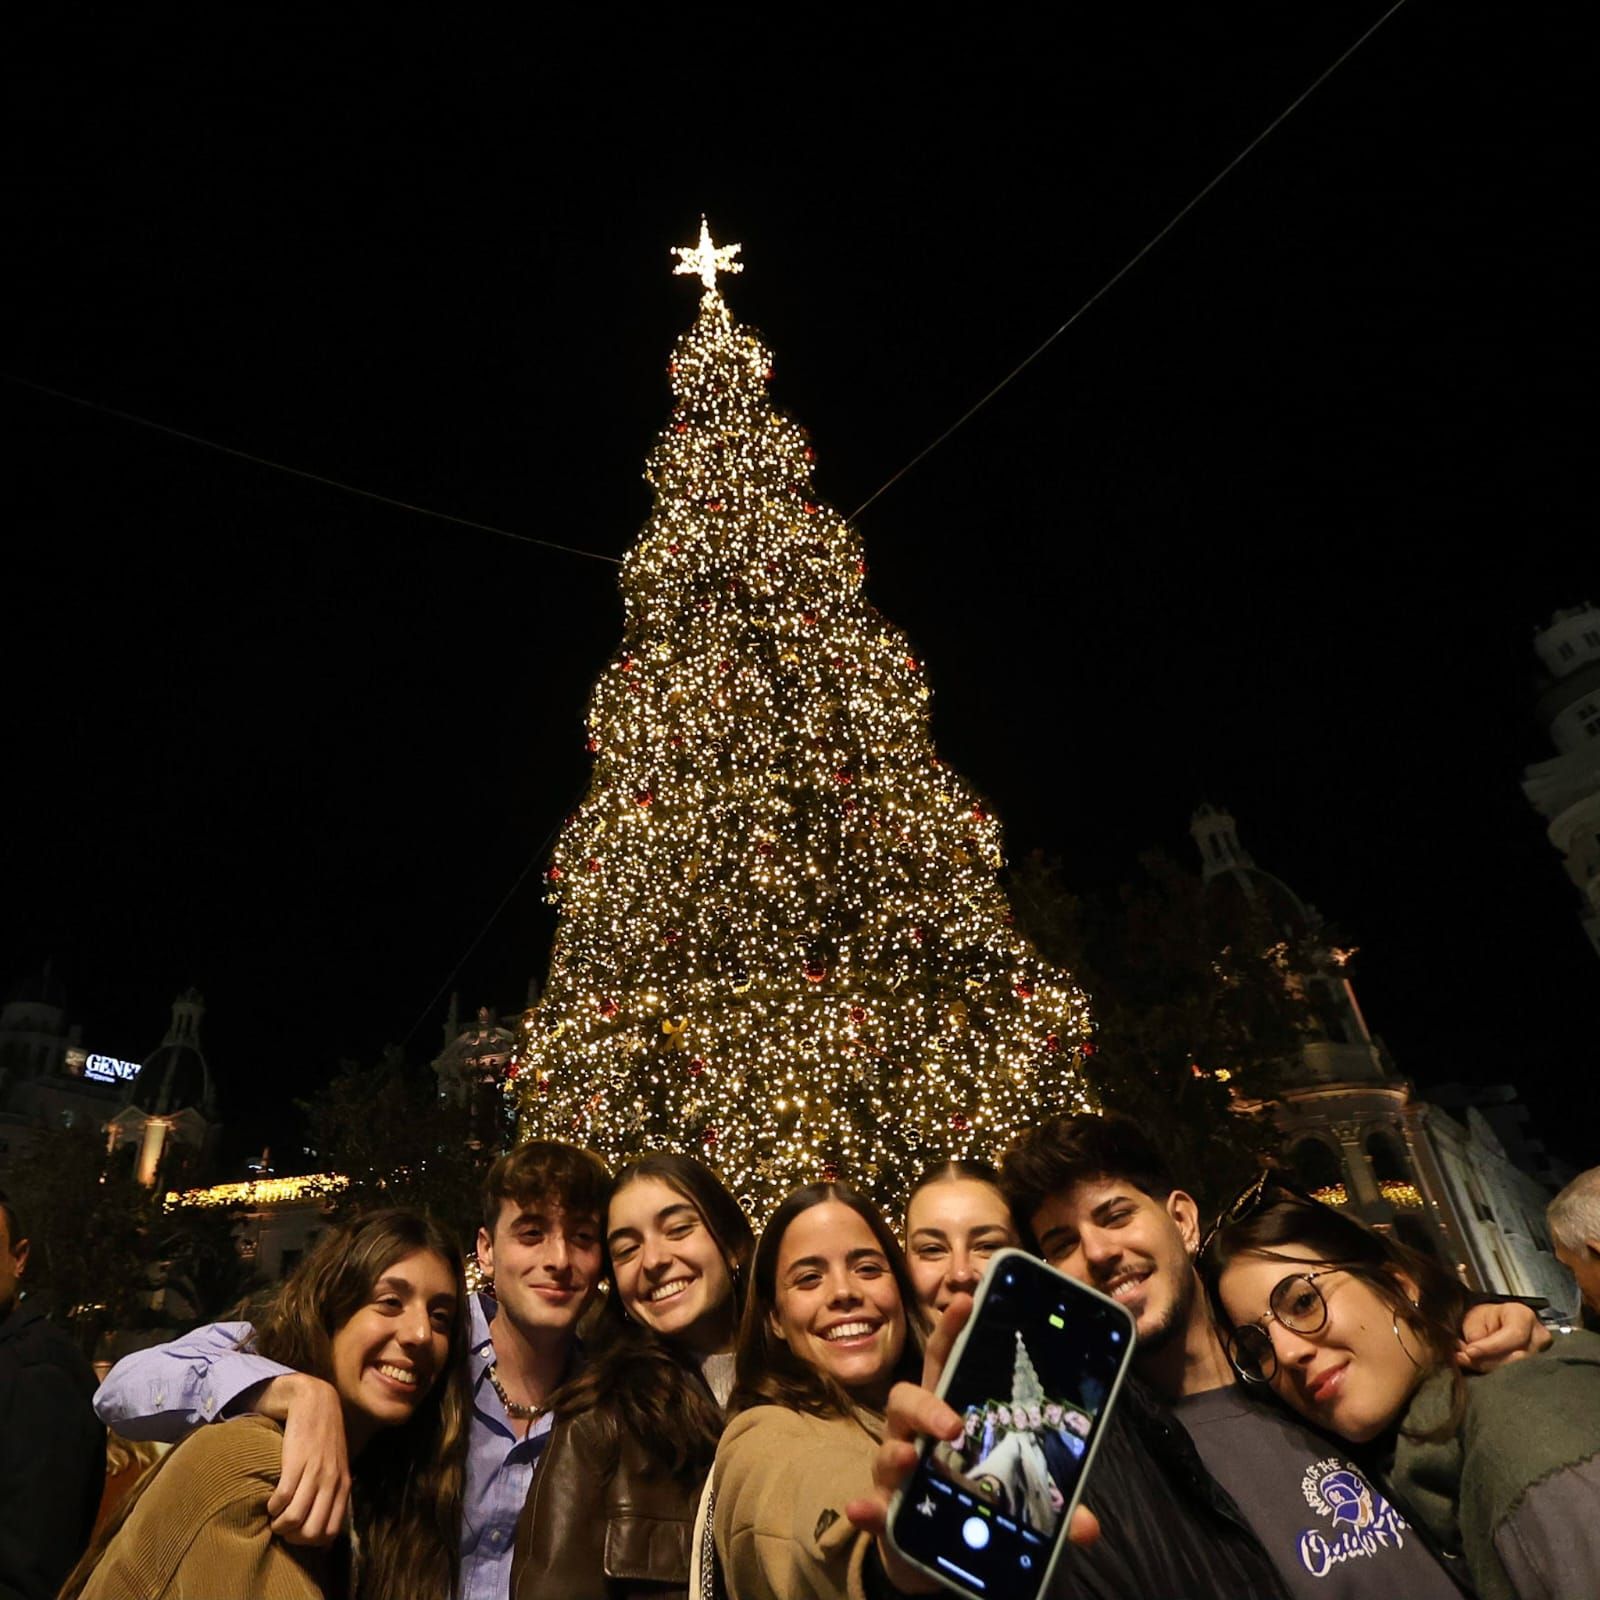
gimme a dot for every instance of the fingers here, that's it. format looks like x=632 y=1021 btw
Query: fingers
x=943 y=1338
x=314 y=1514
x=1084 y=1527
x=870 y=1516
x=915 y=1412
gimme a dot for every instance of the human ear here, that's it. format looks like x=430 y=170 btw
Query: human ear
x=486 y=1252
x=776 y=1327
x=1185 y=1216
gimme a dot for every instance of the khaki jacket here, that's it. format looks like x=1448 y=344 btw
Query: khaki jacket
x=782 y=1480
x=201 y=1530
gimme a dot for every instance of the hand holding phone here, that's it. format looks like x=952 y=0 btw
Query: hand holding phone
x=1031 y=1381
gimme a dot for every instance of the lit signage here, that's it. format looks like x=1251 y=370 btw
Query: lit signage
x=107 y=1069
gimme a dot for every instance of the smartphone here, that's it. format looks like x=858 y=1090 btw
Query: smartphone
x=1034 y=1375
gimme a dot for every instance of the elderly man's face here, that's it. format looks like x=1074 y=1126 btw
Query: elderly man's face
x=1584 y=1265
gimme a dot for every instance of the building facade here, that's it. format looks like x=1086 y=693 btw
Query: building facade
x=168 y=1121
x=1565 y=789
x=49 y=1077
x=1356 y=1133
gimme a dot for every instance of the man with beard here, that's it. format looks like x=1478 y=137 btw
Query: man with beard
x=1095 y=1199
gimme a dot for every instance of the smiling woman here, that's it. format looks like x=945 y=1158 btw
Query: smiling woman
x=1358 y=1335
x=613 y=1504
x=376 y=1310
x=831 y=1323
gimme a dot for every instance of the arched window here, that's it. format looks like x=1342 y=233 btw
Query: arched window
x=1316 y=1166
x=1388 y=1160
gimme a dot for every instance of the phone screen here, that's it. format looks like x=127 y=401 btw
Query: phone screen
x=1037 y=1367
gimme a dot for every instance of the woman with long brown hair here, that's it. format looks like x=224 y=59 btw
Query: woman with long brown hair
x=1359 y=1335
x=377 y=1309
x=830 y=1325
x=613 y=1505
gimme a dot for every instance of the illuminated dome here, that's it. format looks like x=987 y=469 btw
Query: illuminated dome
x=175 y=1077
x=1227 y=869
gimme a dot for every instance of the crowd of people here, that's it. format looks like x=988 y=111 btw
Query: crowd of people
x=1315 y=1410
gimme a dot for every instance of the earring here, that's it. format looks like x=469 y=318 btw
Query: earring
x=1401 y=1342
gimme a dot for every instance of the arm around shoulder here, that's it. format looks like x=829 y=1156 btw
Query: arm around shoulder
x=162 y=1392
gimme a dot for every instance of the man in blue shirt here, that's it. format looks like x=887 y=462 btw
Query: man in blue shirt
x=544 y=1207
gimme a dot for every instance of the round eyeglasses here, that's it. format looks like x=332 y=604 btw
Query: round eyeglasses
x=1296 y=1303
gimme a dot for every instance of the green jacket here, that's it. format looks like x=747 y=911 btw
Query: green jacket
x=1514 y=1488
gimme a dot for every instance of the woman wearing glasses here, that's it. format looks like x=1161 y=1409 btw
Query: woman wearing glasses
x=1359 y=1335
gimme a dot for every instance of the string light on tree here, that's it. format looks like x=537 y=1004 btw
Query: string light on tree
x=782 y=945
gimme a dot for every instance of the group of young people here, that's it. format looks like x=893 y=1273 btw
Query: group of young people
x=1315 y=1410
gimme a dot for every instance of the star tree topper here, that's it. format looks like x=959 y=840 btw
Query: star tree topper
x=706 y=258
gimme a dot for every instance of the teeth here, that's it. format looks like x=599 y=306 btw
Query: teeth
x=399 y=1374
x=667 y=1290
x=1124 y=1287
x=849 y=1330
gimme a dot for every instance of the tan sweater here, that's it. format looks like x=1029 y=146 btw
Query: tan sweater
x=782 y=1480
x=200 y=1530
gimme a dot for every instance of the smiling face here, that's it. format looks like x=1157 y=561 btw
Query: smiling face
x=545 y=1262
x=1108 y=1233
x=1355 y=1374
x=670 y=1272
x=1583 y=1262
x=953 y=1227
x=388 y=1354
x=837 y=1305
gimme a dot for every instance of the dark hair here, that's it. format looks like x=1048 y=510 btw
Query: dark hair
x=407 y=1482
x=1066 y=1151
x=545 y=1169
x=8 y=1210
x=767 y=1371
x=1304 y=1232
x=654 y=1384
x=948 y=1171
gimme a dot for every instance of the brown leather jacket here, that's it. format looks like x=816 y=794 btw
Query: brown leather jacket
x=602 y=1521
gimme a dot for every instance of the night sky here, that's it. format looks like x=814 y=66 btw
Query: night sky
x=1272 y=525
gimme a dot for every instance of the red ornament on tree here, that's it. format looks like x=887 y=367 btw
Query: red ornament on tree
x=709 y=1137
x=811 y=507
x=858 y=1014
x=815 y=972
x=608 y=1008
x=644 y=797
x=809 y=618
x=554 y=874
x=1024 y=991
x=593 y=864
x=844 y=776
x=1052 y=1042
x=959 y=1122
x=593 y=744
x=830 y=1171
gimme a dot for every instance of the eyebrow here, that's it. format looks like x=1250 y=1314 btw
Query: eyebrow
x=850 y=1260
x=661 y=1218
x=404 y=1285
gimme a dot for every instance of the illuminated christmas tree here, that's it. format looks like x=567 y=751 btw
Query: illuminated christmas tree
x=781 y=945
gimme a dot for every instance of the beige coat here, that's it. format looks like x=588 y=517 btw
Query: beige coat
x=782 y=1480
x=200 y=1530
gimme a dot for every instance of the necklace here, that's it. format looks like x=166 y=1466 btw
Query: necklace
x=520 y=1412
